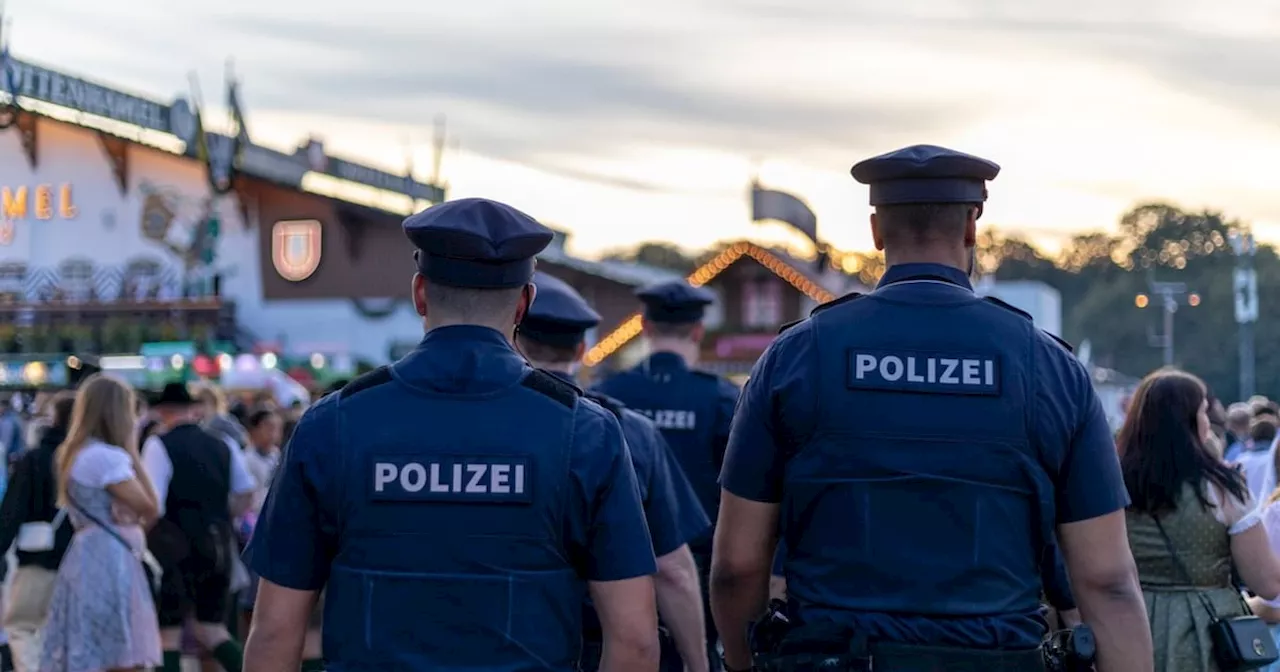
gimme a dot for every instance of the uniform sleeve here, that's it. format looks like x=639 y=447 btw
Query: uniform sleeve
x=296 y=537
x=774 y=413
x=610 y=538
x=726 y=403
x=675 y=516
x=1071 y=425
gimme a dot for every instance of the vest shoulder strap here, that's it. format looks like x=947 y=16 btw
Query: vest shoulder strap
x=851 y=296
x=1022 y=313
x=549 y=385
x=609 y=403
x=375 y=378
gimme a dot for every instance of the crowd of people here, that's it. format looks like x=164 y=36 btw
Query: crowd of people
x=161 y=491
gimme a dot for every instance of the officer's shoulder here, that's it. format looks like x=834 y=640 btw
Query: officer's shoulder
x=607 y=402
x=823 y=307
x=552 y=387
x=368 y=381
x=1027 y=316
x=721 y=383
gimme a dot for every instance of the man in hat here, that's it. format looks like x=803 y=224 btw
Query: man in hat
x=459 y=504
x=553 y=337
x=928 y=446
x=202 y=483
x=692 y=408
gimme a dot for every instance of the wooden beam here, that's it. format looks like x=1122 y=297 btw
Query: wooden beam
x=26 y=125
x=117 y=150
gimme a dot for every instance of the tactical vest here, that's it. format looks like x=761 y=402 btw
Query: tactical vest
x=920 y=491
x=452 y=529
x=684 y=409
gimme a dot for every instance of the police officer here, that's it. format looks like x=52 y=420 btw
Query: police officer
x=553 y=338
x=923 y=444
x=692 y=408
x=458 y=505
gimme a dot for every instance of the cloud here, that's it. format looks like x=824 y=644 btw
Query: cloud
x=565 y=91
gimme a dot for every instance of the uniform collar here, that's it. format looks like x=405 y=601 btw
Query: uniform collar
x=900 y=273
x=665 y=361
x=563 y=376
x=462 y=359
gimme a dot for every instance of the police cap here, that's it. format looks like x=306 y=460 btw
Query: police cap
x=559 y=316
x=476 y=243
x=674 y=302
x=925 y=174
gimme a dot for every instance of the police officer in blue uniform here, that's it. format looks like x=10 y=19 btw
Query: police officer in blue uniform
x=458 y=505
x=916 y=447
x=692 y=408
x=553 y=338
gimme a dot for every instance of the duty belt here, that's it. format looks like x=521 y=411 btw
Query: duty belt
x=889 y=657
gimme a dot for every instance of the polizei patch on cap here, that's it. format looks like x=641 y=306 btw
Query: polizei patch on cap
x=923 y=372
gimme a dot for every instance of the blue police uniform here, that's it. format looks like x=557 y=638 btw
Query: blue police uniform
x=560 y=317
x=447 y=540
x=923 y=443
x=691 y=408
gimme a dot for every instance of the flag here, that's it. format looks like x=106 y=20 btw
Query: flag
x=237 y=115
x=783 y=207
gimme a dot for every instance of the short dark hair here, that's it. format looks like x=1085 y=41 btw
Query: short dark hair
x=471 y=305
x=62 y=405
x=672 y=329
x=546 y=354
x=922 y=222
x=1263 y=430
x=258 y=417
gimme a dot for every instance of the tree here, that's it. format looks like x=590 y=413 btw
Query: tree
x=661 y=255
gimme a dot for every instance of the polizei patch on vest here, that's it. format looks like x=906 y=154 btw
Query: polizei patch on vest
x=463 y=479
x=923 y=372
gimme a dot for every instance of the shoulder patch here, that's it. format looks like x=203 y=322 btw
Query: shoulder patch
x=1013 y=309
x=1061 y=342
x=609 y=403
x=851 y=296
x=544 y=383
x=791 y=324
x=376 y=377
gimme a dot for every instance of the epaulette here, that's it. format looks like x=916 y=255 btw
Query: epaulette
x=1014 y=309
x=609 y=403
x=851 y=296
x=376 y=377
x=1060 y=342
x=545 y=383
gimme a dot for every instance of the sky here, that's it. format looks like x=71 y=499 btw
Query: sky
x=626 y=121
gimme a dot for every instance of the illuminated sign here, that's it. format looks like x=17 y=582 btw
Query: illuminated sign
x=295 y=248
x=43 y=202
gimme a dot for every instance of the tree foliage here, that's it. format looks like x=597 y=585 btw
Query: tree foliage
x=1099 y=274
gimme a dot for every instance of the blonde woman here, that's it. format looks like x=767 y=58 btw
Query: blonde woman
x=102 y=615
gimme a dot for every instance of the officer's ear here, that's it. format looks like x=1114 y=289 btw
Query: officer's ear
x=875 y=232
x=419 y=293
x=971 y=226
x=579 y=351
x=527 y=294
x=699 y=330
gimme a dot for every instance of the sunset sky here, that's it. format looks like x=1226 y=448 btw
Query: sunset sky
x=631 y=121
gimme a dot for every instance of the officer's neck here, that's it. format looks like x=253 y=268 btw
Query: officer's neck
x=564 y=368
x=955 y=257
x=685 y=348
x=508 y=331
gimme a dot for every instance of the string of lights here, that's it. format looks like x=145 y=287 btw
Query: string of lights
x=630 y=328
